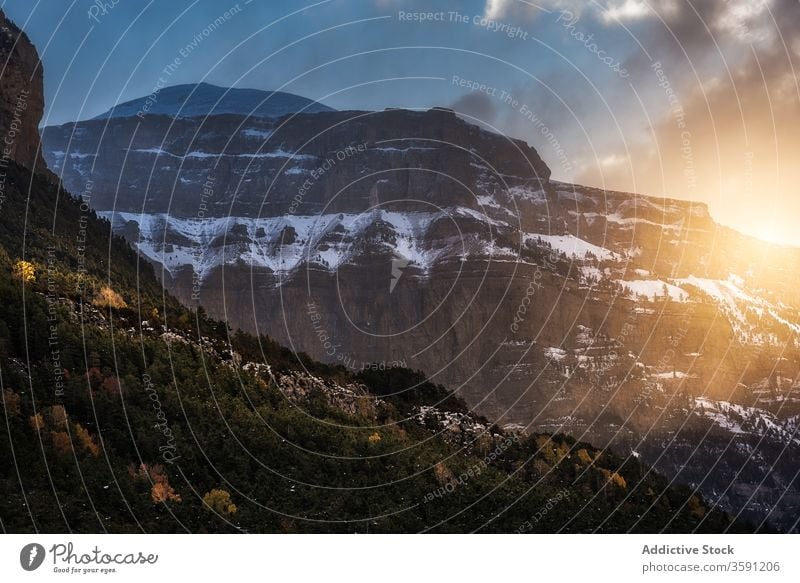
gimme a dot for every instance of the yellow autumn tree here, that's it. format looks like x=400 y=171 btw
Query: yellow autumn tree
x=619 y=481
x=108 y=298
x=36 y=422
x=160 y=490
x=25 y=271
x=61 y=441
x=614 y=478
x=163 y=492
x=219 y=501
x=86 y=441
x=56 y=416
x=374 y=438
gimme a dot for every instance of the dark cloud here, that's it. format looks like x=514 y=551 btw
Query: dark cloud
x=479 y=106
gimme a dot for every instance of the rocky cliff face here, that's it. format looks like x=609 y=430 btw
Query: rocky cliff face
x=303 y=164
x=22 y=98
x=375 y=239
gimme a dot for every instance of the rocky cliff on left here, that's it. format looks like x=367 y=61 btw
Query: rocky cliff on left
x=21 y=98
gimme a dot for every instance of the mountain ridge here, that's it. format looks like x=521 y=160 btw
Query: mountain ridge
x=204 y=99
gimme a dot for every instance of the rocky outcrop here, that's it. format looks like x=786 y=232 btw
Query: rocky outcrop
x=21 y=98
x=351 y=398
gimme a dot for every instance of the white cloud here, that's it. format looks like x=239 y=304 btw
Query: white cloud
x=496 y=9
x=631 y=10
x=515 y=9
x=628 y=10
x=745 y=20
x=613 y=160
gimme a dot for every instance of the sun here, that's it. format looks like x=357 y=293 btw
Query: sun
x=774 y=233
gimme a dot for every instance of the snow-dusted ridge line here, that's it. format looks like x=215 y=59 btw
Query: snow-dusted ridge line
x=742 y=420
x=282 y=244
x=574 y=247
x=279 y=153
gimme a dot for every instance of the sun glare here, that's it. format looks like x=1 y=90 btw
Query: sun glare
x=775 y=234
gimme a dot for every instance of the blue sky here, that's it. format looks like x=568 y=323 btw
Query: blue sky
x=584 y=69
x=122 y=55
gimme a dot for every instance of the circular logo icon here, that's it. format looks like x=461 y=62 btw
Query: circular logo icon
x=31 y=556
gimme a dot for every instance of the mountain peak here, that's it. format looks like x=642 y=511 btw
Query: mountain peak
x=204 y=99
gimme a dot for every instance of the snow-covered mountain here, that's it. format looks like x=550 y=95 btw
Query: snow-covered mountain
x=204 y=99
x=414 y=237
